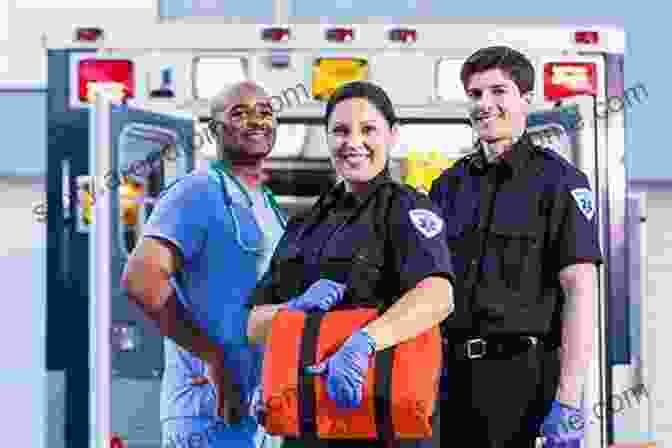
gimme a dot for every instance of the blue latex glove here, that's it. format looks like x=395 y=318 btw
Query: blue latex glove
x=563 y=427
x=346 y=370
x=322 y=295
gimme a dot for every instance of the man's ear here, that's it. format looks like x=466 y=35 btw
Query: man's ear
x=396 y=129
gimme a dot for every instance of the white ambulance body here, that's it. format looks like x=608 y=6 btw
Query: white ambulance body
x=173 y=68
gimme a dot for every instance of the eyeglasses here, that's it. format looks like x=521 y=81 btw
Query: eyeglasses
x=239 y=114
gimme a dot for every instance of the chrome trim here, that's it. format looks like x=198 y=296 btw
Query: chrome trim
x=100 y=271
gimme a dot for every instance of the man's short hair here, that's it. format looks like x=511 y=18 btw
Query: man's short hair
x=513 y=63
x=221 y=101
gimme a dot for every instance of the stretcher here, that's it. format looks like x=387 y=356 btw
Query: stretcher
x=400 y=394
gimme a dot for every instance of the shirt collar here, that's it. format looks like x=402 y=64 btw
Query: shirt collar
x=514 y=160
x=338 y=194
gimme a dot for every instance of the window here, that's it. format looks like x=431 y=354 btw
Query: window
x=260 y=11
x=451 y=140
x=290 y=141
x=448 y=84
x=211 y=74
x=425 y=150
x=310 y=141
x=344 y=10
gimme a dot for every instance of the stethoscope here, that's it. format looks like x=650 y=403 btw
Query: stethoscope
x=222 y=170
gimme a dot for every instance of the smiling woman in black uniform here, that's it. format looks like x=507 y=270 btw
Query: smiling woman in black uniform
x=384 y=240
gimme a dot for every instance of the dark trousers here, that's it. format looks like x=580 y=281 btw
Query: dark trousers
x=498 y=403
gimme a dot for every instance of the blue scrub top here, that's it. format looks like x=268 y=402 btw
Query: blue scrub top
x=225 y=252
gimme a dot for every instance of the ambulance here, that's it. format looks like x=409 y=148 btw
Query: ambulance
x=117 y=98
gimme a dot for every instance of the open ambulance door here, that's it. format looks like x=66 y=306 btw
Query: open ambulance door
x=134 y=155
x=573 y=130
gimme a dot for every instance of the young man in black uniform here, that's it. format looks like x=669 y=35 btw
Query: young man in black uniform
x=521 y=225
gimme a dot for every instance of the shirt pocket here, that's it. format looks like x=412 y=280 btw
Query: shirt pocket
x=362 y=272
x=514 y=257
x=463 y=243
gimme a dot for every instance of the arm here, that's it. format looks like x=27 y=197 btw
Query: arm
x=578 y=254
x=579 y=283
x=174 y=234
x=421 y=259
x=423 y=307
x=262 y=309
x=321 y=295
x=259 y=325
x=146 y=279
x=563 y=426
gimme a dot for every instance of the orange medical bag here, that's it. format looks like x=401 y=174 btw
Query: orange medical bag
x=399 y=396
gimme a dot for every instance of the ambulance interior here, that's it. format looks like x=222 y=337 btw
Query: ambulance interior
x=170 y=104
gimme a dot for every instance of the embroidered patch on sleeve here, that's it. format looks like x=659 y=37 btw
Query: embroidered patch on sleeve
x=426 y=222
x=585 y=201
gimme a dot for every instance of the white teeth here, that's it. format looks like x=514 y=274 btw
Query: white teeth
x=355 y=157
x=487 y=119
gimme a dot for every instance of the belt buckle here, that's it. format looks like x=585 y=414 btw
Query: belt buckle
x=470 y=344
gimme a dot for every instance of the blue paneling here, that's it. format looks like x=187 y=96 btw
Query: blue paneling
x=261 y=10
x=23 y=118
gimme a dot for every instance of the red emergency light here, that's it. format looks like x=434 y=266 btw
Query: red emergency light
x=117 y=442
x=566 y=79
x=405 y=35
x=90 y=34
x=340 y=34
x=587 y=37
x=118 y=72
x=276 y=34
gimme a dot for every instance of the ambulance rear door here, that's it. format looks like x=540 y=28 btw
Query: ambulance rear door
x=140 y=152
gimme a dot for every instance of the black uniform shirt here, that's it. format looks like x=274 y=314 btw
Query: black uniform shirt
x=379 y=242
x=512 y=226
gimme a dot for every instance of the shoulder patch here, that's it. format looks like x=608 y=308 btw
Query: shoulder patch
x=426 y=222
x=585 y=201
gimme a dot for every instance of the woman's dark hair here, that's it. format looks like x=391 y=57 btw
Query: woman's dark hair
x=513 y=63
x=362 y=89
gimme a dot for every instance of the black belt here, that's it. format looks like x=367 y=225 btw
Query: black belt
x=492 y=347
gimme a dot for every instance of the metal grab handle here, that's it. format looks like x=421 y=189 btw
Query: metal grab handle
x=100 y=287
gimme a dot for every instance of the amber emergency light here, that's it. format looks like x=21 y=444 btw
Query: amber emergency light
x=329 y=73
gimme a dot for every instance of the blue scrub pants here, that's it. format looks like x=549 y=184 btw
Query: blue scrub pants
x=206 y=432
